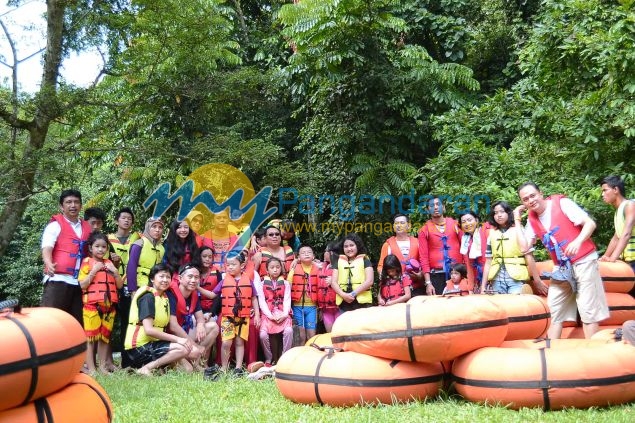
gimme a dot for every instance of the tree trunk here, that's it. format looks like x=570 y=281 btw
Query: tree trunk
x=47 y=109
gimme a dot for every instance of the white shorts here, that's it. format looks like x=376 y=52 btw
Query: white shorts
x=590 y=300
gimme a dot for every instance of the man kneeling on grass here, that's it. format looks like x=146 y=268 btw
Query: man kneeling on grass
x=187 y=319
x=147 y=344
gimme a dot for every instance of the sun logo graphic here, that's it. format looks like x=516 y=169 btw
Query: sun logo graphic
x=212 y=198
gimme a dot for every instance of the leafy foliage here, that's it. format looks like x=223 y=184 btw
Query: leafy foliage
x=566 y=124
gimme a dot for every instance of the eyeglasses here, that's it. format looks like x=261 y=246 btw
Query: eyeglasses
x=273 y=234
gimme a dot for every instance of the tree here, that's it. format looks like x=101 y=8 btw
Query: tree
x=366 y=77
x=565 y=125
x=139 y=40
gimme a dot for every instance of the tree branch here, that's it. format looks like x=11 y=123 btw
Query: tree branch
x=14 y=121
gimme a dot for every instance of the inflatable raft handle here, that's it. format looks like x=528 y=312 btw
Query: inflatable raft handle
x=458 y=292
x=331 y=349
x=10 y=304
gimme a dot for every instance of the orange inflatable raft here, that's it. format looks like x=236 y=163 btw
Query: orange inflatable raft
x=83 y=400
x=42 y=350
x=550 y=374
x=320 y=340
x=577 y=332
x=440 y=329
x=621 y=307
x=308 y=375
x=617 y=276
x=528 y=315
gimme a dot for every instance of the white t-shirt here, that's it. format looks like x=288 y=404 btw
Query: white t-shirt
x=49 y=238
x=404 y=247
x=569 y=208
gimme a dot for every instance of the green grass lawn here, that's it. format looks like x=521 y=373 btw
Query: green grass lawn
x=179 y=397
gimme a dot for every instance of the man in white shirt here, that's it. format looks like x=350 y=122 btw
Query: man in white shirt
x=558 y=220
x=63 y=247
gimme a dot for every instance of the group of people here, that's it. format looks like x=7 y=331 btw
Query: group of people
x=179 y=296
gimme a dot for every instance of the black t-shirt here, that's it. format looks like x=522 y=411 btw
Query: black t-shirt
x=146 y=306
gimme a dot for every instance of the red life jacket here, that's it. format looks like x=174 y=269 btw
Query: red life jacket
x=304 y=283
x=209 y=282
x=274 y=293
x=181 y=308
x=266 y=255
x=394 y=288
x=431 y=244
x=325 y=293
x=394 y=249
x=564 y=231
x=236 y=296
x=69 y=248
x=464 y=285
x=102 y=288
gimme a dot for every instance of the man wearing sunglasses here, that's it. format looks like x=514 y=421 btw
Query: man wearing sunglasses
x=273 y=248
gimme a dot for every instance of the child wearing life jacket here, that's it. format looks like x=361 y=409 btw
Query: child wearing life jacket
x=325 y=293
x=238 y=299
x=304 y=278
x=99 y=279
x=394 y=286
x=275 y=307
x=210 y=277
x=458 y=280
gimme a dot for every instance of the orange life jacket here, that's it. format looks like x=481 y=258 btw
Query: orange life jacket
x=236 y=296
x=325 y=293
x=394 y=249
x=394 y=288
x=69 y=248
x=564 y=231
x=304 y=283
x=274 y=293
x=266 y=255
x=102 y=288
x=464 y=285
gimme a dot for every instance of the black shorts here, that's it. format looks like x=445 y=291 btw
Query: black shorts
x=64 y=296
x=147 y=353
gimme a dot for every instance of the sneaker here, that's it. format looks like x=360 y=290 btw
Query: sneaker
x=212 y=373
x=253 y=367
x=239 y=372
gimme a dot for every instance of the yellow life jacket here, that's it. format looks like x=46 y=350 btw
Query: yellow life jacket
x=619 y=219
x=505 y=250
x=150 y=255
x=350 y=275
x=123 y=250
x=135 y=335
